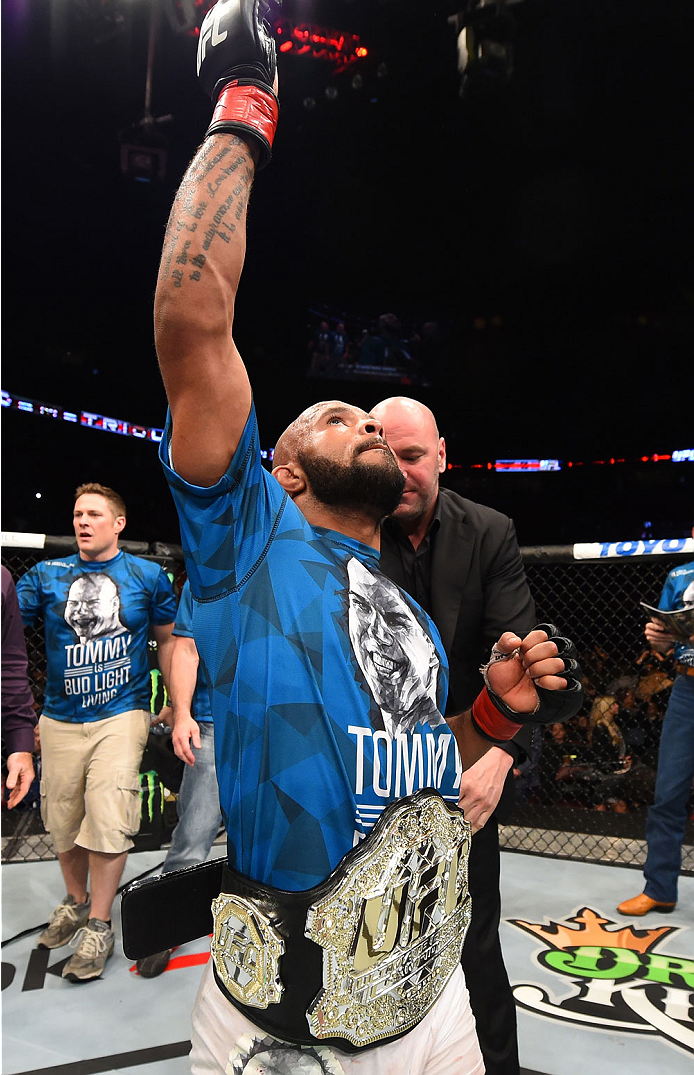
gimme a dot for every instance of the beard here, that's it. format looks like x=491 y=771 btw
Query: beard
x=371 y=490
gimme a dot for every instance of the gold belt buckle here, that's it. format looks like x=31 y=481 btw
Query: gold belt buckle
x=246 y=950
x=392 y=929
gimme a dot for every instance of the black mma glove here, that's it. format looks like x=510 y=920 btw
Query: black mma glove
x=497 y=722
x=237 y=67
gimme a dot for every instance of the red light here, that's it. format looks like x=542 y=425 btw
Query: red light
x=321 y=43
x=569 y=464
x=450 y=466
x=644 y=458
x=490 y=466
x=286 y=46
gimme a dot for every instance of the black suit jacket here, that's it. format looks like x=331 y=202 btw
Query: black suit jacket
x=478 y=591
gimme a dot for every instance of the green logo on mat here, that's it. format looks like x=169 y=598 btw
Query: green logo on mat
x=621 y=983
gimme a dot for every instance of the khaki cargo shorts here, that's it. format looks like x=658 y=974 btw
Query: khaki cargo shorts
x=90 y=785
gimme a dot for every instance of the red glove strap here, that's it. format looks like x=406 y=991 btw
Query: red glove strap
x=248 y=106
x=491 y=721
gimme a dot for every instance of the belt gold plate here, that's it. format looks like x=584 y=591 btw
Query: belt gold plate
x=393 y=929
x=246 y=950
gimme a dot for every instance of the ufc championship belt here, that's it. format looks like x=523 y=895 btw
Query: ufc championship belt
x=361 y=958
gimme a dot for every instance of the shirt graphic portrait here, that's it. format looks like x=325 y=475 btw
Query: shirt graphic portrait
x=396 y=656
x=92 y=609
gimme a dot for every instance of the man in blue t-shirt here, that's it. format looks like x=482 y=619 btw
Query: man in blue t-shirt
x=97 y=607
x=327 y=682
x=197 y=804
x=667 y=818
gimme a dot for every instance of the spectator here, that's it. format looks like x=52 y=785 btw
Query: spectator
x=565 y=770
x=630 y=719
x=97 y=606
x=653 y=677
x=372 y=349
x=396 y=350
x=18 y=715
x=526 y=773
x=605 y=738
x=199 y=816
x=338 y=346
x=668 y=815
x=553 y=759
x=320 y=349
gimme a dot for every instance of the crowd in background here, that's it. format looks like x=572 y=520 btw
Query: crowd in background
x=605 y=758
x=346 y=351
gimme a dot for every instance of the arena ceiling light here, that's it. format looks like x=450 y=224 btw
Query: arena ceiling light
x=486 y=31
x=106 y=17
x=340 y=48
x=143 y=153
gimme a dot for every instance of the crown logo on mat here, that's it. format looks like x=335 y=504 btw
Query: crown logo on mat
x=589 y=932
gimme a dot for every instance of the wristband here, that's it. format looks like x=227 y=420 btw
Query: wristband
x=489 y=722
x=248 y=108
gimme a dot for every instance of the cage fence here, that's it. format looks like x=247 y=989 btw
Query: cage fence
x=584 y=789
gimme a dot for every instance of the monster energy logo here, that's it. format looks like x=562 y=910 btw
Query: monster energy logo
x=149 y=786
x=157 y=683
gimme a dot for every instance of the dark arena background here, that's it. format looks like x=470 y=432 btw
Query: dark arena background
x=510 y=244
x=541 y=223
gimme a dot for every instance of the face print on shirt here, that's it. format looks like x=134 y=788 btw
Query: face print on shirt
x=93 y=607
x=254 y=1055
x=397 y=657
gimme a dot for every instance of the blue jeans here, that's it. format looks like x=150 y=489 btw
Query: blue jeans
x=199 y=816
x=668 y=815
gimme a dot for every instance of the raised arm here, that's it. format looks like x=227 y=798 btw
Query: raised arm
x=204 y=247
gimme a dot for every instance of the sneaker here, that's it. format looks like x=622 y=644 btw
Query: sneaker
x=66 y=920
x=154 y=965
x=95 y=943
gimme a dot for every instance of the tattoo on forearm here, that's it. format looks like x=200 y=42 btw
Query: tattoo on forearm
x=219 y=211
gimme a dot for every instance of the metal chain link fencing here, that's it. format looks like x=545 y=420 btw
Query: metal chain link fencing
x=584 y=791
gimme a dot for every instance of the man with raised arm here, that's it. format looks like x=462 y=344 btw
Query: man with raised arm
x=338 y=930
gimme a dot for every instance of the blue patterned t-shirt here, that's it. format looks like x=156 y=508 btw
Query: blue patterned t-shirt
x=202 y=710
x=96 y=617
x=678 y=592
x=328 y=682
